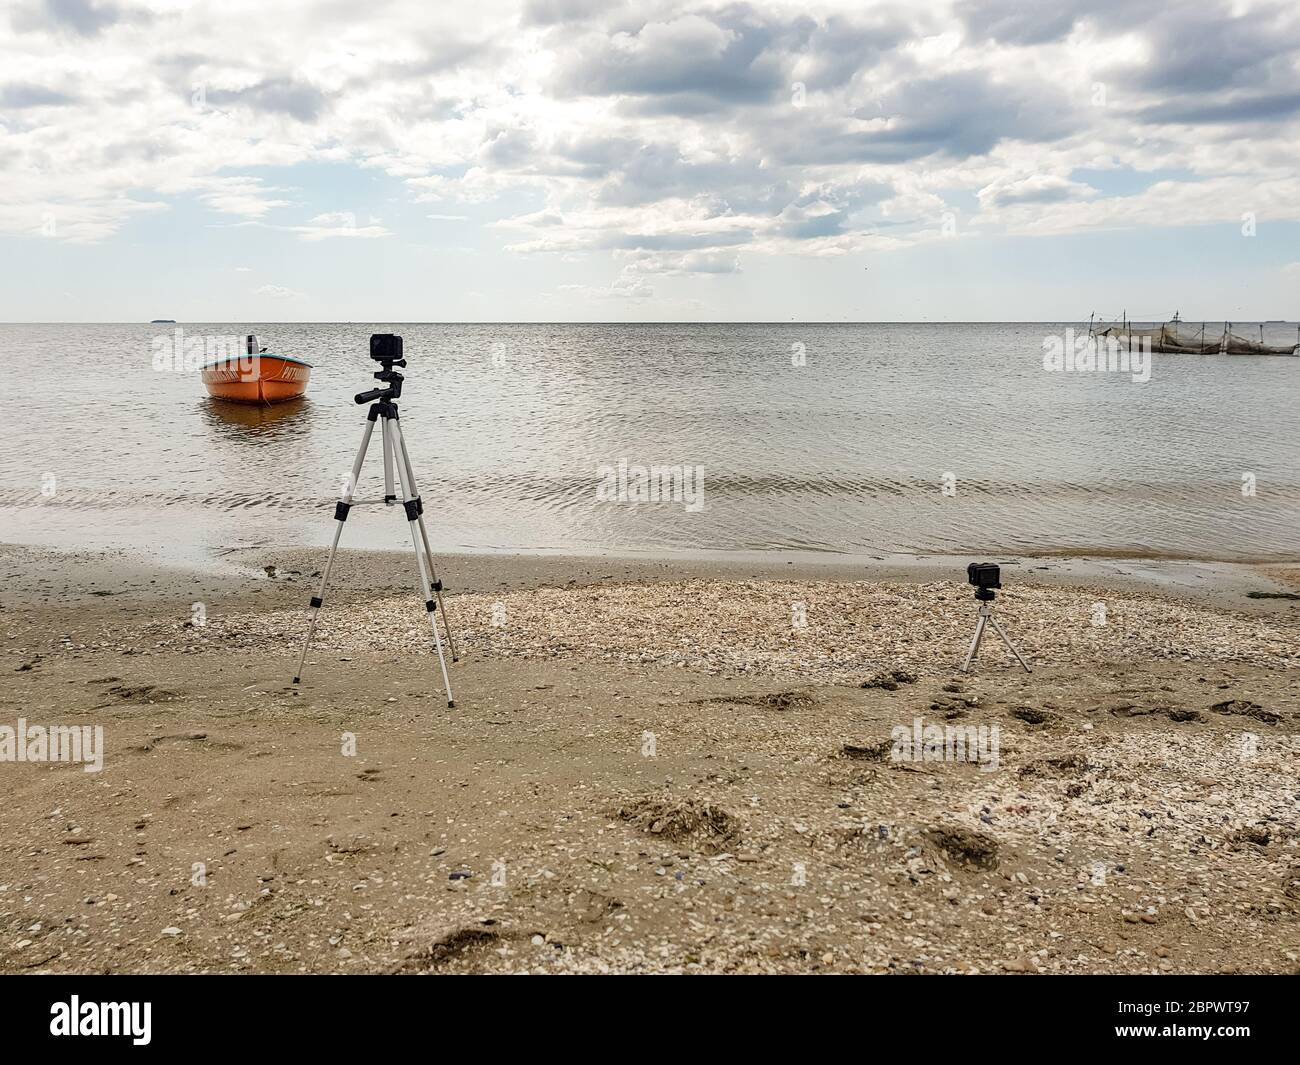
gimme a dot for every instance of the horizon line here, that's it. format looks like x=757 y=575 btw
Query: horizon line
x=645 y=321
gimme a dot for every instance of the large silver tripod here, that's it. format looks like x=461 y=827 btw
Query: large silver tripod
x=985 y=596
x=383 y=410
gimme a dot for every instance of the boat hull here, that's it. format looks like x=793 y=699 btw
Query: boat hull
x=257 y=379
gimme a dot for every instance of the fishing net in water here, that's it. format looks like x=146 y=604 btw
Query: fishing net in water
x=1174 y=337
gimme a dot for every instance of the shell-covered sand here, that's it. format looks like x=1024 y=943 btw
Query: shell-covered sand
x=652 y=776
x=818 y=630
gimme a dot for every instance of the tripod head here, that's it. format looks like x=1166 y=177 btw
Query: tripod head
x=385 y=349
x=393 y=391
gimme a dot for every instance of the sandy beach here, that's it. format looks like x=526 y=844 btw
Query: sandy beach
x=653 y=766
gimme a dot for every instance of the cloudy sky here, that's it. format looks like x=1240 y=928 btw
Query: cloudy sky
x=574 y=160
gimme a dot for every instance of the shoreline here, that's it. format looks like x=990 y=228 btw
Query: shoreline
x=36 y=577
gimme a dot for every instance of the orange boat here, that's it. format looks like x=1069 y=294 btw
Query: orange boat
x=256 y=377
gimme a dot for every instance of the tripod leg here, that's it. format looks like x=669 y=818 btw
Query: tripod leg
x=390 y=496
x=412 y=506
x=1007 y=640
x=404 y=457
x=975 y=643
x=340 y=516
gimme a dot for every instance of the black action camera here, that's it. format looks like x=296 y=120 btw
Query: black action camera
x=386 y=347
x=985 y=576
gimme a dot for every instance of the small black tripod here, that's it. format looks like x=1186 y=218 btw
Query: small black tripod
x=386 y=349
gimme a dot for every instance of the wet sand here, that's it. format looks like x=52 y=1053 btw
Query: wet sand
x=37 y=577
x=714 y=807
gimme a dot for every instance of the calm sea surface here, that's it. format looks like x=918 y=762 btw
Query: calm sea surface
x=888 y=438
